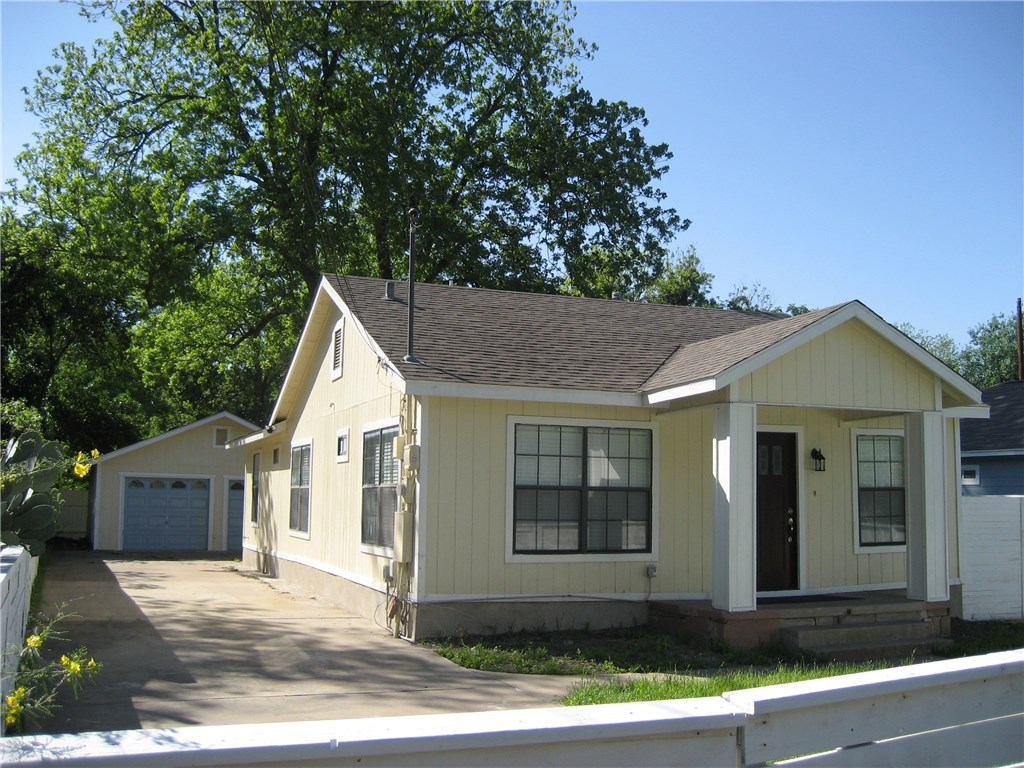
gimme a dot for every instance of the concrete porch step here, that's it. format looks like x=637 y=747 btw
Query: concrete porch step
x=870 y=636
x=890 y=649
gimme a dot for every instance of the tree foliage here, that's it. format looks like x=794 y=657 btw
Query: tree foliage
x=989 y=358
x=198 y=171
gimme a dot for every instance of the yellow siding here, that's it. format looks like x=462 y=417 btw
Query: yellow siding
x=851 y=367
x=190 y=453
x=363 y=395
x=464 y=512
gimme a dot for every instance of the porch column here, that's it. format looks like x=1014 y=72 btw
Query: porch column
x=927 y=553
x=733 y=568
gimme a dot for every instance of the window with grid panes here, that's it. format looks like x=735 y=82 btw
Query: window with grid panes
x=881 y=497
x=298 y=511
x=380 y=487
x=581 y=489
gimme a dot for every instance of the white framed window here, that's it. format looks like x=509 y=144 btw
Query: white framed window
x=880 y=499
x=338 y=348
x=341 y=446
x=254 y=490
x=970 y=474
x=380 y=487
x=580 y=489
x=301 y=476
x=221 y=436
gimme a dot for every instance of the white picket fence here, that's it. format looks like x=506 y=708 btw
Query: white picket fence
x=964 y=712
x=17 y=572
x=991 y=569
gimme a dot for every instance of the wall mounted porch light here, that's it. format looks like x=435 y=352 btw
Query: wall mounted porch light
x=819 y=459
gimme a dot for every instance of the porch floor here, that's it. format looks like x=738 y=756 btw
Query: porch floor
x=843 y=626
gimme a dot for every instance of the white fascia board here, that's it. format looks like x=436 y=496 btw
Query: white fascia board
x=682 y=391
x=325 y=293
x=968 y=412
x=177 y=431
x=854 y=309
x=256 y=437
x=422 y=387
x=365 y=335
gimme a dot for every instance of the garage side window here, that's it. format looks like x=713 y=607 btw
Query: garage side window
x=254 y=511
x=298 y=512
x=380 y=487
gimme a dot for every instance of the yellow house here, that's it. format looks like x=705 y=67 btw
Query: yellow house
x=537 y=461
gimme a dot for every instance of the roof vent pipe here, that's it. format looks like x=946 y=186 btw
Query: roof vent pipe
x=413 y=215
x=617 y=295
x=389 y=291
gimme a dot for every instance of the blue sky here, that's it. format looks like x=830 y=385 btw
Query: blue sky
x=828 y=151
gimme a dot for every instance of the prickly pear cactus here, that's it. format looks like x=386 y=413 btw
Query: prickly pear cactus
x=29 y=507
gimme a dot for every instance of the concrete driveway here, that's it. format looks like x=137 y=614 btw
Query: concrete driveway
x=201 y=641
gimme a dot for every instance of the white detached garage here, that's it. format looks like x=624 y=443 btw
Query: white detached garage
x=182 y=490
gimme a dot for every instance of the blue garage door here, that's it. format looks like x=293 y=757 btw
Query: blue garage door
x=166 y=513
x=236 y=503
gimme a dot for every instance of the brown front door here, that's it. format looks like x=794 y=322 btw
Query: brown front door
x=777 y=521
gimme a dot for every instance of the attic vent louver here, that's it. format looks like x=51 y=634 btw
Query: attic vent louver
x=389 y=291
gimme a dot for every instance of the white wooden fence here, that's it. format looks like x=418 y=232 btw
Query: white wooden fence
x=991 y=532
x=17 y=571
x=963 y=712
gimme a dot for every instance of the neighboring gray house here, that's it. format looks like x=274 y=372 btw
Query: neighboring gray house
x=992 y=450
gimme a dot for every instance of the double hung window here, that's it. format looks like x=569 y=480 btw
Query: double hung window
x=380 y=487
x=581 y=489
x=881 y=495
x=298 y=511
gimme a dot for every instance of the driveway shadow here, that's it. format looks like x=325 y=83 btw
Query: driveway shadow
x=107 y=621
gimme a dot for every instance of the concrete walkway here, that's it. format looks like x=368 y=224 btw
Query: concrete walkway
x=204 y=642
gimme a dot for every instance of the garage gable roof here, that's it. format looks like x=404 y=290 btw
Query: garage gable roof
x=246 y=425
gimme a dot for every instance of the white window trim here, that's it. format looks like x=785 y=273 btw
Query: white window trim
x=977 y=474
x=339 y=327
x=372 y=426
x=227 y=435
x=510 y=472
x=342 y=458
x=254 y=479
x=855 y=486
x=293 y=532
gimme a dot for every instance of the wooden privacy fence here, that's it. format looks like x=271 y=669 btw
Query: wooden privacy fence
x=963 y=712
x=991 y=532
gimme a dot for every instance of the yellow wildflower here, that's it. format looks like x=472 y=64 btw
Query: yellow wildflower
x=92 y=664
x=10 y=719
x=64 y=661
x=95 y=453
x=81 y=470
x=74 y=669
x=34 y=641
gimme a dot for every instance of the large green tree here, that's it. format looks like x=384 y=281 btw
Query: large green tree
x=989 y=358
x=202 y=167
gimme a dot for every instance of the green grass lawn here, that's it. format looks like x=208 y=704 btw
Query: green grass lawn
x=685 y=671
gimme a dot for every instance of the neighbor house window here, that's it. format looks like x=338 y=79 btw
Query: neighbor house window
x=221 y=436
x=969 y=474
x=298 y=510
x=581 y=489
x=881 y=497
x=254 y=511
x=380 y=487
x=337 y=348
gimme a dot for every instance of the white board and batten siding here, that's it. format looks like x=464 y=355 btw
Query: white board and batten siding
x=991 y=545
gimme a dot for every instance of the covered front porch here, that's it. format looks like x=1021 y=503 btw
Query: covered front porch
x=847 y=626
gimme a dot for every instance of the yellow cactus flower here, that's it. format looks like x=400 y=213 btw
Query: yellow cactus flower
x=34 y=641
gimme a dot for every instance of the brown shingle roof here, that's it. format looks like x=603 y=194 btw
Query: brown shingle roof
x=1004 y=429
x=482 y=336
